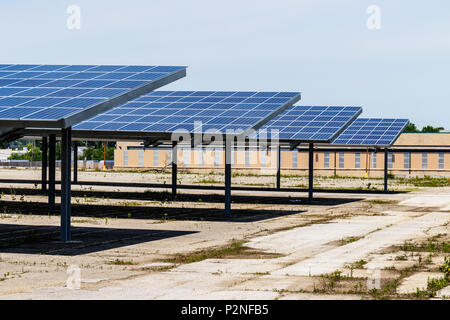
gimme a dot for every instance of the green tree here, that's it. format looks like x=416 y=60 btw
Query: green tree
x=410 y=128
x=432 y=129
x=92 y=153
x=33 y=154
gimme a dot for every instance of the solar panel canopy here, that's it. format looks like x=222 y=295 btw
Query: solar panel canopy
x=372 y=132
x=310 y=123
x=192 y=111
x=61 y=95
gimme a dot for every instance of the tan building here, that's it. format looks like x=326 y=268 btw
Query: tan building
x=412 y=154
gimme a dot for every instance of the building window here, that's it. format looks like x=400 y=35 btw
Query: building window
x=216 y=157
x=155 y=158
x=125 y=158
x=390 y=160
x=186 y=157
x=294 y=159
x=407 y=160
x=201 y=161
x=341 y=160
x=374 y=160
x=263 y=156
x=326 y=160
x=424 y=160
x=233 y=157
x=441 y=161
x=247 y=158
x=358 y=160
x=141 y=158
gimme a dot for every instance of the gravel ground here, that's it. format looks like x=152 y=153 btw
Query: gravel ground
x=130 y=244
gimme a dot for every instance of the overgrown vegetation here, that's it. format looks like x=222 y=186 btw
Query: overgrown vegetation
x=119 y=262
x=436 y=284
x=379 y=201
x=208 y=181
x=235 y=249
x=425 y=181
x=34 y=153
x=431 y=245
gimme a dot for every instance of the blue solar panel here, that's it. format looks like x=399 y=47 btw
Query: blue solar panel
x=309 y=123
x=167 y=111
x=372 y=132
x=54 y=92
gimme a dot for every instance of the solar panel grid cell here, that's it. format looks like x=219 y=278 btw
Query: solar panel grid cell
x=216 y=110
x=372 y=132
x=80 y=86
x=320 y=123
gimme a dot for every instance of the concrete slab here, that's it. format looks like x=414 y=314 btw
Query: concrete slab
x=417 y=281
x=278 y=283
x=444 y=293
x=156 y=265
x=441 y=201
x=314 y=238
x=388 y=261
x=240 y=266
x=332 y=260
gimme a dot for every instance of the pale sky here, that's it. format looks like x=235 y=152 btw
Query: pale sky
x=322 y=48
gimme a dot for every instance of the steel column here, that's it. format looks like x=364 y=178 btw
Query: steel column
x=174 y=169
x=44 y=163
x=51 y=173
x=75 y=162
x=227 y=177
x=66 y=164
x=278 y=167
x=335 y=164
x=386 y=165
x=311 y=172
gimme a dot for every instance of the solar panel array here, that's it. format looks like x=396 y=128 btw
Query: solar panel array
x=168 y=111
x=372 y=132
x=53 y=92
x=310 y=123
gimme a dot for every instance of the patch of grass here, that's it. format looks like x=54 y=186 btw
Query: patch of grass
x=332 y=279
x=387 y=291
x=433 y=244
x=130 y=203
x=390 y=289
x=238 y=174
x=119 y=262
x=445 y=268
x=301 y=185
x=208 y=181
x=403 y=257
x=258 y=184
x=436 y=284
x=348 y=240
x=360 y=263
x=234 y=250
x=425 y=181
x=165 y=218
x=80 y=221
x=379 y=201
